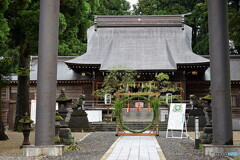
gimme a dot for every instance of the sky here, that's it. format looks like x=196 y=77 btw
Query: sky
x=132 y=2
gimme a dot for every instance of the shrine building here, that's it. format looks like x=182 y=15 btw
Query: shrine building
x=146 y=44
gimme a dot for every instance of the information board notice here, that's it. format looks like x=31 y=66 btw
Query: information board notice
x=176 y=116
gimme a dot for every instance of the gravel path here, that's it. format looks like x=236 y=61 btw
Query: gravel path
x=93 y=147
x=181 y=149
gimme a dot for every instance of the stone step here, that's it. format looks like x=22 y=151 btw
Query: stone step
x=111 y=126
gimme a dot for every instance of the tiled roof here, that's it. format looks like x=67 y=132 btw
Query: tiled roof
x=155 y=48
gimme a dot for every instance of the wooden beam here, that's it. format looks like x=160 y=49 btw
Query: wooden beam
x=136 y=94
x=137 y=134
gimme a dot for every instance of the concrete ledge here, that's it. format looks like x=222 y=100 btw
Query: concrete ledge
x=222 y=150
x=54 y=150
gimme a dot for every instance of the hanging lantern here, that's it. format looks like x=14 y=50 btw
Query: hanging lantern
x=107 y=99
x=149 y=109
x=138 y=108
x=128 y=108
x=127 y=88
x=168 y=98
x=139 y=105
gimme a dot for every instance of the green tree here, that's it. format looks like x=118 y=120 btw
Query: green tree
x=164 y=7
x=234 y=25
x=120 y=80
x=5 y=63
x=198 y=20
x=76 y=16
x=23 y=21
x=117 y=80
x=23 y=18
x=4 y=29
x=113 y=7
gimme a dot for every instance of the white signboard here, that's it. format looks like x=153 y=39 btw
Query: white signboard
x=94 y=116
x=176 y=120
x=107 y=98
x=176 y=116
x=163 y=114
x=33 y=110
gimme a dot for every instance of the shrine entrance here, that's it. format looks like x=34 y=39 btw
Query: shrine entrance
x=137 y=106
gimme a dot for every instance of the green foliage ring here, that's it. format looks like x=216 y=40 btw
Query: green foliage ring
x=119 y=104
x=177 y=108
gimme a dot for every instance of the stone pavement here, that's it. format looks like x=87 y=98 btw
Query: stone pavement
x=134 y=148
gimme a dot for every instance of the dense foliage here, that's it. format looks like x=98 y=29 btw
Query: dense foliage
x=5 y=63
x=117 y=80
x=121 y=80
x=113 y=7
x=22 y=19
x=19 y=20
x=234 y=25
x=75 y=18
x=5 y=70
x=4 y=28
x=164 y=7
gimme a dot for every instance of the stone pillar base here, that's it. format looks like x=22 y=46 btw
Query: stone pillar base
x=52 y=150
x=221 y=150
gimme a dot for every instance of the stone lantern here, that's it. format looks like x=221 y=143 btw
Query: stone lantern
x=207 y=135
x=57 y=128
x=65 y=134
x=26 y=122
x=63 y=103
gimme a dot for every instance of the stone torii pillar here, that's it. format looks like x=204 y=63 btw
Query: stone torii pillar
x=220 y=72
x=47 y=72
x=46 y=81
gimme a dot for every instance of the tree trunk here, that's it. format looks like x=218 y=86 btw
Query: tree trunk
x=22 y=105
x=3 y=136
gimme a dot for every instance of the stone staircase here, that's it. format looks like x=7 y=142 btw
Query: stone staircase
x=111 y=126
